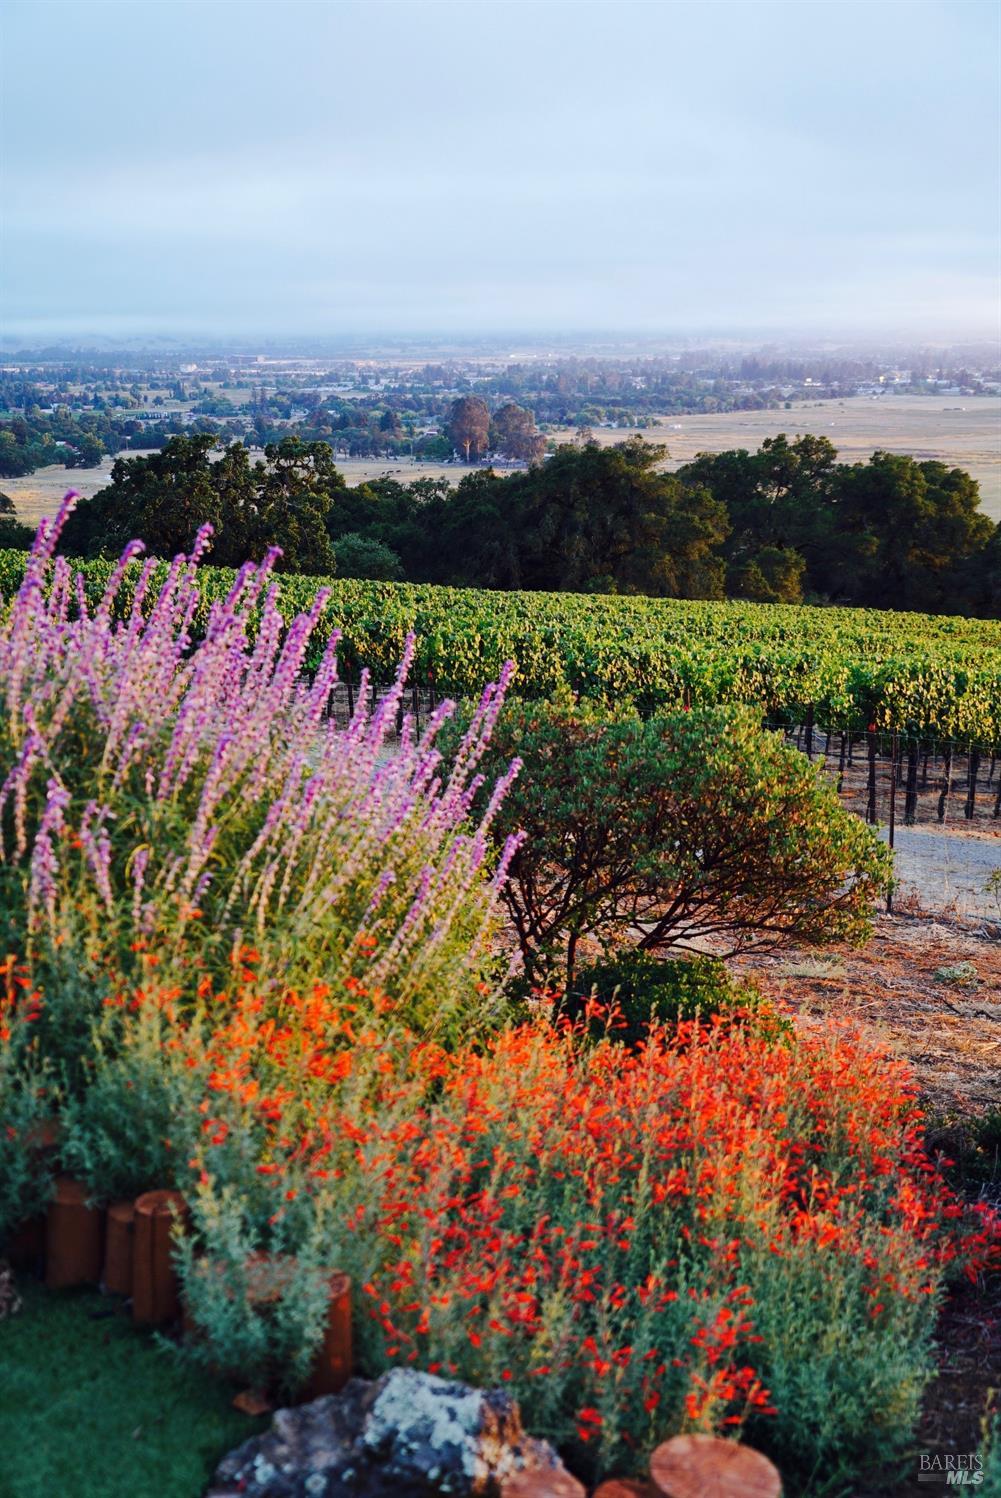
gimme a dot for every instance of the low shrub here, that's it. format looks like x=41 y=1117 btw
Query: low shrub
x=253 y=1322
x=969 y=1147
x=990 y=1454
x=361 y=556
x=624 y=995
x=697 y=1234
x=665 y=831
x=122 y=1126
x=683 y=1235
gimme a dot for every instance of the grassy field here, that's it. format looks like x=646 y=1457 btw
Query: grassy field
x=93 y=1408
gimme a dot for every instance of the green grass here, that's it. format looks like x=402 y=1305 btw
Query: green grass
x=93 y=1407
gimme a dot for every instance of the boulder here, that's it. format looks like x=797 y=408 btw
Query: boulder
x=407 y=1435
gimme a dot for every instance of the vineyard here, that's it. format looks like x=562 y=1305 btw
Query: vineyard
x=837 y=670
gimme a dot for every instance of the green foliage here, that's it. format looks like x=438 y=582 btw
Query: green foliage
x=636 y=990
x=971 y=1144
x=895 y=531
x=513 y=433
x=771 y=575
x=27 y=1099
x=909 y=530
x=958 y=975
x=590 y=519
x=358 y=556
x=593 y=512
x=673 y=829
x=847 y=1397
x=259 y=1319
x=89 y=1405
x=469 y=426
x=12 y=533
x=118 y=1123
x=992 y=886
x=164 y=499
x=615 y=1230
x=990 y=1455
x=924 y=676
x=770 y=526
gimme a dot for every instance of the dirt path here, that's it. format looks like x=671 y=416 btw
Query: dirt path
x=946 y=872
x=928 y=990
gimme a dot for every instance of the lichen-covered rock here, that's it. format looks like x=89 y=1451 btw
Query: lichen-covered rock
x=408 y=1435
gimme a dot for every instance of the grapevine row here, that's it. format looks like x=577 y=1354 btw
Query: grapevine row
x=923 y=675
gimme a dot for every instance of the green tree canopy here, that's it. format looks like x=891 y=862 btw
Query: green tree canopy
x=909 y=530
x=359 y=556
x=513 y=432
x=662 y=832
x=608 y=518
x=164 y=497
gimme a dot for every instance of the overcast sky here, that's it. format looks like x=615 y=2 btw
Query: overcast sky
x=270 y=166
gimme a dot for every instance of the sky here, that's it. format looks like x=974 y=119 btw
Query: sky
x=311 y=167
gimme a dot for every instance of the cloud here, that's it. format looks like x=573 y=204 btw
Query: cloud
x=329 y=166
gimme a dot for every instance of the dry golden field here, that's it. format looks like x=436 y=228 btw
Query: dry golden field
x=963 y=432
x=39 y=493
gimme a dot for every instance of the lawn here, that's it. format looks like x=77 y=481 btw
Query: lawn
x=91 y=1406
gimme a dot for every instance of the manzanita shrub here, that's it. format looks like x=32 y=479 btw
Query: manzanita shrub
x=665 y=831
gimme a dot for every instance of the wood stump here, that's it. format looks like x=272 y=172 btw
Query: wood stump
x=118 y=1248
x=155 y=1292
x=709 y=1467
x=332 y=1367
x=72 y=1238
x=538 y=1482
x=268 y=1277
x=25 y=1247
x=626 y=1487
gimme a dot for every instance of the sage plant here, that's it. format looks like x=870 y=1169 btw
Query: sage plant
x=170 y=803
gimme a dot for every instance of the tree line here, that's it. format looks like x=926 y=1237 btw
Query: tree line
x=35 y=438
x=787 y=523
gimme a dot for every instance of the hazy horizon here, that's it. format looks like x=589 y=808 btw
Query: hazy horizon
x=763 y=171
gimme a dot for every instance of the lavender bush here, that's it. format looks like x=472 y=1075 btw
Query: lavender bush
x=172 y=808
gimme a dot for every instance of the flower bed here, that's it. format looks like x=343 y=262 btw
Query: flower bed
x=707 y=1232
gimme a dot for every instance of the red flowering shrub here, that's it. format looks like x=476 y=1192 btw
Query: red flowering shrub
x=705 y=1231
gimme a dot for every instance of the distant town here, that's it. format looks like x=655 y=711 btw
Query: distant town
x=76 y=407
